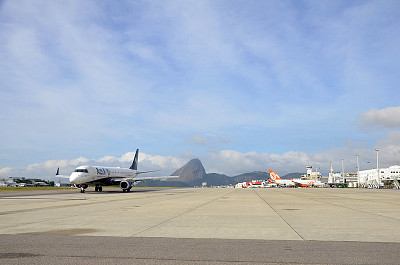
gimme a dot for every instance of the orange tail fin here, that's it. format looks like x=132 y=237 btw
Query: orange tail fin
x=273 y=175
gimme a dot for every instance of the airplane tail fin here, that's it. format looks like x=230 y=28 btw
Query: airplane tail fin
x=58 y=171
x=135 y=160
x=273 y=175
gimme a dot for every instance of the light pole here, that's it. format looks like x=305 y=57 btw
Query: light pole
x=358 y=171
x=343 y=171
x=377 y=163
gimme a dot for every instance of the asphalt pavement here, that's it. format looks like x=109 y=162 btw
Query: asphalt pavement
x=200 y=226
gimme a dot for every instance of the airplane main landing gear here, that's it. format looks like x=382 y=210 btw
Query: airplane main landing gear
x=98 y=188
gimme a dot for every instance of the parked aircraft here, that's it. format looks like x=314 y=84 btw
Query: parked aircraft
x=99 y=176
x=294 y=182
x=308 y=183
x=39 y=183
x=281 y=182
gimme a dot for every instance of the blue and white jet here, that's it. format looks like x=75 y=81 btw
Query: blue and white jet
x=100 y=176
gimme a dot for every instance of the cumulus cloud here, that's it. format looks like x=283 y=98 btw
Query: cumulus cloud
x=387 y=118
x=5 y=170
x=231 y=162
x=87 y=74
x=165 y=165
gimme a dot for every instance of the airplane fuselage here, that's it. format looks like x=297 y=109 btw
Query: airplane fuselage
x=307 y=183
x=100 y=174
x=284 y=182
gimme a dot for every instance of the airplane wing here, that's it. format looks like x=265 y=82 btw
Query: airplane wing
x=141 y=172
x=153 y=178
x=137 y=178
x=61 y=176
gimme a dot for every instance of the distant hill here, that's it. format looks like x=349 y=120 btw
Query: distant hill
x=212 y=179
x=256 y=175
x=191 y=171
x=292 y=175
x=194 y=174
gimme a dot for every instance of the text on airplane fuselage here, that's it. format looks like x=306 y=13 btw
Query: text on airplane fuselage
x=102 y=171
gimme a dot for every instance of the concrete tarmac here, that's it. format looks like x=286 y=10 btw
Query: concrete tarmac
x=203 y=226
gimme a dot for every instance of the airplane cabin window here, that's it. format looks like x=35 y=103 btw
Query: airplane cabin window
x=82 y=170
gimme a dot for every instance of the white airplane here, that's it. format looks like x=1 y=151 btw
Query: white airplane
x=294 y=182
x=308 y=183
x=99 y=176
x=281 y=182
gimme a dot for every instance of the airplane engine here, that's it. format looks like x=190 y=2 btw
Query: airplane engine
x=125 y=185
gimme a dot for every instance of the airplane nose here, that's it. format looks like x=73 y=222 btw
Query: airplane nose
x=73 y=178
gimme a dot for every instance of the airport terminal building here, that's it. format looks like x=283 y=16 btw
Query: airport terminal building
x=370 y=178
x=384 y=177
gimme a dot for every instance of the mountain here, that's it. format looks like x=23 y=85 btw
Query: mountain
x=191 y=171
x=212 y=179
x=194 y=174
x=256 y=175
x=292 y=176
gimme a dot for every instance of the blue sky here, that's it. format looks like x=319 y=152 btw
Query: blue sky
x=242 y=85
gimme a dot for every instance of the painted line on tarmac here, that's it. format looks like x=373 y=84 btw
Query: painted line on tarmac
x=278 y=214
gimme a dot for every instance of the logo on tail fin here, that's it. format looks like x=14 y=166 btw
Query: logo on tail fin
x=273 y=175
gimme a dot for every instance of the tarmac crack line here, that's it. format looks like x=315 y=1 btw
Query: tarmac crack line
x=279 y=215
x=147 y=259
x=176 y=216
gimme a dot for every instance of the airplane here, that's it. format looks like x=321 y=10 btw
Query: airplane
x=281 y=182
x=59 y=184
x=39 y=183
x=99 y=176
x=294 y=182
x=271 y=184
x=308 y=183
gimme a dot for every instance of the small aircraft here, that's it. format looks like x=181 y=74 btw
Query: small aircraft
x=281 y=182
x=99 y=176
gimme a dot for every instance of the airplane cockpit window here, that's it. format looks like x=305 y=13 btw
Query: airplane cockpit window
x=82 y=170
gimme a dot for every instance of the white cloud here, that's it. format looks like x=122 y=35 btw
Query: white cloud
x=86 y=74
x=387 y=118
x=5 y=170
x=231 y=162
x=47 y=169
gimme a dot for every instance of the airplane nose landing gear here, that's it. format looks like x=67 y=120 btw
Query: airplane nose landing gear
x=83 y=188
